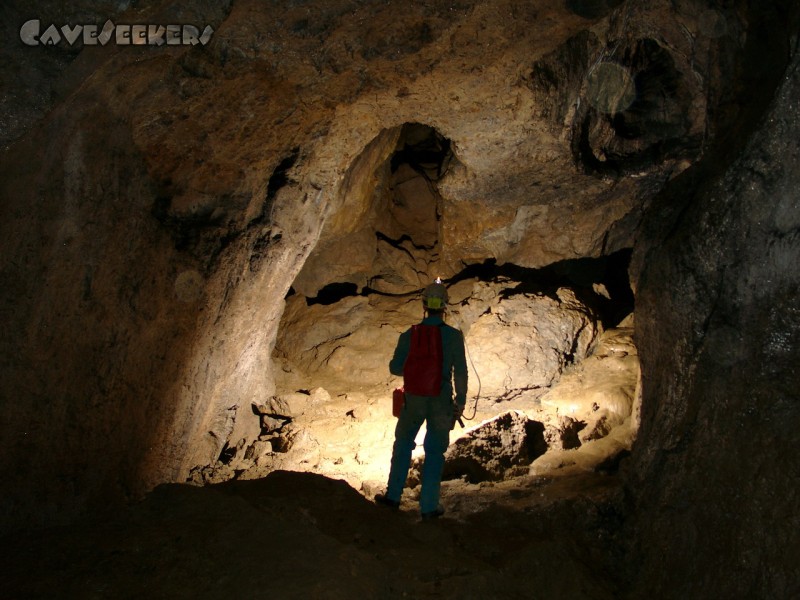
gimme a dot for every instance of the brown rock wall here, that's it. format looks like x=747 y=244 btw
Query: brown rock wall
x=154 y=220
x=718 y=330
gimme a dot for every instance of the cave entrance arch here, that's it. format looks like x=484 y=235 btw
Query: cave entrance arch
x=386 y=234
x=359 y=288
x=367 y=264
x=410 y=215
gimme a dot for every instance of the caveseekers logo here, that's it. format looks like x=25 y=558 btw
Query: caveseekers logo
x=31 y=34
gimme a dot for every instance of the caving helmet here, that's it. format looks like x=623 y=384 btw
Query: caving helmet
x=435 y=296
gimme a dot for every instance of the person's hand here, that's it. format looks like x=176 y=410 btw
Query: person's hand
x=458 y=410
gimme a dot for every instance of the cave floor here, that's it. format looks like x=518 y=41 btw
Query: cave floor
x=302 y=535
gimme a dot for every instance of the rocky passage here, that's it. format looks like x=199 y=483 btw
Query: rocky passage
x=539 y=359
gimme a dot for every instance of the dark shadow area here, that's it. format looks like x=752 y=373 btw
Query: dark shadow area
x=599 y=282
x=333 y=292
x=477 y=456
x=592 y=9
x=171 y=543
x=279 y=177
x=424 y=149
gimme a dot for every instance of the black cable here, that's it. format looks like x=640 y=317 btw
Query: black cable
x=477 y=376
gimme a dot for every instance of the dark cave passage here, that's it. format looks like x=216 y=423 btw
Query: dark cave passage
x=424 y=149
x=602 y=281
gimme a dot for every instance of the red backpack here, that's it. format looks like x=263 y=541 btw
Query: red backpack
x=422 y=372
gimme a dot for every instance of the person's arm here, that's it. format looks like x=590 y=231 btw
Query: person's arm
x=400 y=354
x=460 y=370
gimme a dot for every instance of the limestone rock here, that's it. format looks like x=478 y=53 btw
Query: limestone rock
x=548 y=334
x=564 y=435
x=258 y=449
x=494 y=449
x=517 y=341
x=398 y=269
x=601 y=387
x=270 y=424
x=289 y=405
x=414 y=208
x=345 y=344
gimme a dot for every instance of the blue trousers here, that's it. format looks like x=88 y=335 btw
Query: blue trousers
x=437 y=412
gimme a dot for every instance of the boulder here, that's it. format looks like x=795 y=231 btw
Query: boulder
x=494 y=450
x=524 y=341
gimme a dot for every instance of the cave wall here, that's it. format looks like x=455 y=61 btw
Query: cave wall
x=159 y=203
x=718 y=329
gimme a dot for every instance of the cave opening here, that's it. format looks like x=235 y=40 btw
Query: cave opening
x=408 y=218
x=424 y=149
x=550 y=349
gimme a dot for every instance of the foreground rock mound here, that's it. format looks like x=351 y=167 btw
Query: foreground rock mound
x=298 y=535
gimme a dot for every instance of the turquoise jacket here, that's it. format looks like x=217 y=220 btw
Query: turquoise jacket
x=454 y=363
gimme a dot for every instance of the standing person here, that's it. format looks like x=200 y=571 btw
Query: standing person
x=436 y=406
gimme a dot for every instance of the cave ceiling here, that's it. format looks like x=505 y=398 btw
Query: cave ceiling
x=561 y=120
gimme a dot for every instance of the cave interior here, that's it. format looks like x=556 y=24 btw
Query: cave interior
x=209 y=250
